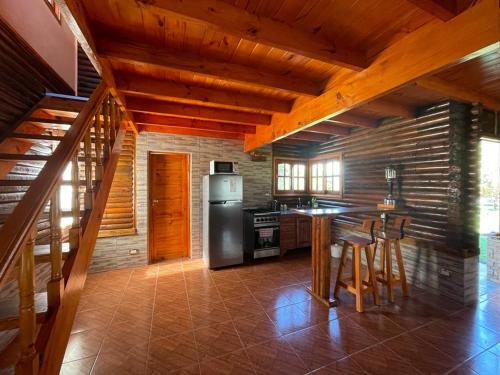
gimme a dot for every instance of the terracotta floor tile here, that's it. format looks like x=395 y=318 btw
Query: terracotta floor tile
x=130 y=311
x=168 y=324
x=255 y=329
x=203 y=295
x=349 y=335
x=377 y=324
x=421 y=355
x=379 y=360
x=236 y=363
x=275 y=357
x=98 y=300
x=243 y=306
x=315 y=347
x=83 y=344
x=289 y=319
x=232 y=289
x=78 y=367
x=345 y=366
x=92 y=319
x=172 y=353
x=217 y=340
x=119 y=360
x=207 y=314
x=485 y=363
x=126 y=334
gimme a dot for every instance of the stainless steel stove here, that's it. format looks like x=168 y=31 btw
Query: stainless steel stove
x=261 y=233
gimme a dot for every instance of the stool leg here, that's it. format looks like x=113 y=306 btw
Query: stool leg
x=357 y=279
x=388 y=265
x=401 y=267
x=382 y=260
x=371 y=273
x=340 y=270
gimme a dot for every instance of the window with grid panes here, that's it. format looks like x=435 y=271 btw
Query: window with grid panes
x=290 y=176
x=326 y=174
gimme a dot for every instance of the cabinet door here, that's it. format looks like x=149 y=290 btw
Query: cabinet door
x=303 y=232
x=288 y=234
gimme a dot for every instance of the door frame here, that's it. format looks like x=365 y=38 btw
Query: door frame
x=188 y=251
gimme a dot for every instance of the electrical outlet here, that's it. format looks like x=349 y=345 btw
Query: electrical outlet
x=133 y=252
x=445 y=272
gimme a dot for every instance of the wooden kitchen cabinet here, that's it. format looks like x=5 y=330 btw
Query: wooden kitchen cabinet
x=295 y=232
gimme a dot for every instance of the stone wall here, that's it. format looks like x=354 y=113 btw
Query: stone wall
x=113 y=252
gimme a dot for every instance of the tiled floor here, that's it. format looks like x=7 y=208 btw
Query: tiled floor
x=181 y=318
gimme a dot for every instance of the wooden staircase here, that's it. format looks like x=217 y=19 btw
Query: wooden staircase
x=60 y=134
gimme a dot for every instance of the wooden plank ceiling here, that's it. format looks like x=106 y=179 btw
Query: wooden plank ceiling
x=264 y=70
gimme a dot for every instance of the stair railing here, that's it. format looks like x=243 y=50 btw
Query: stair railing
x=42 y=351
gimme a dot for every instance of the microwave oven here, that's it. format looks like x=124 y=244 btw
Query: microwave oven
x=223 y=167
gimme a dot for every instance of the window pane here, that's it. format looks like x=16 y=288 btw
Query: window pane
x=336 y=184
x=314 y=184
x=314 y=170
x=288 y=183
x=336 y=168
x=281 y=169
x=287 y=170
x=329 y=168
x=320 y=184
x=302 y=170
x=67 y=173
x=329 y=183
x=302 y=184
x=66 y=195
x=320 y=169
x=281 y=183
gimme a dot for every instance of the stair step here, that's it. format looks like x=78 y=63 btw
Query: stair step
x=50 y=121
x=24 y=157
x=23 y=182
x=9 y=311
x=64 y=103
x=41 y=137
x=42 y=252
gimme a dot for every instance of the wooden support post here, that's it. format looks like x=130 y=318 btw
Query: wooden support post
x=28 y=362
x=98 y=147
x=112 y=127
x=321 y=241
x=55 y=286
x=89 y=191
x=105 y=114
x=74 y=233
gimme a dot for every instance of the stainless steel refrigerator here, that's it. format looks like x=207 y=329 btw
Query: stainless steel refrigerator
x=222 y=220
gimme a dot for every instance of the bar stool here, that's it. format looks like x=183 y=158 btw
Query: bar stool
x=356 y=284
x=391 y=238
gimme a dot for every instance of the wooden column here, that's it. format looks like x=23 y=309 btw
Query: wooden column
x=89 y=191
x=74 y=233
x=321 y=241
x=105 y=115
x=98 y=147
x=28 y=362
x=55 y=286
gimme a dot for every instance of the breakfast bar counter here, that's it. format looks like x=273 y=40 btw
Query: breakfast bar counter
x=321 y=241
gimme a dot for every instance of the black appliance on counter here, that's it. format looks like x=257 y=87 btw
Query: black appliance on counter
x=261 y=236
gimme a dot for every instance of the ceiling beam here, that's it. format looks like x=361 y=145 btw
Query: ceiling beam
x=445 y=10
x=391 y=108
x=74 y=14
x=427 y=50
x=349 y=119
x=187 y=131
x=137 y=84
x=325 y=128
x=309 y=136
x=147 y=119
x=183 y=62
x=193 y=111
x=459 y=92
x=237 y=21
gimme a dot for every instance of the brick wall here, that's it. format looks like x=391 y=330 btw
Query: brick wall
x=113 y=252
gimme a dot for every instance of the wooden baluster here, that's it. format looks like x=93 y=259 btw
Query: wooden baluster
x=105 y=114
x=98 y=147
x=89 y=191
x=112 y=128
x=74 y=233
x=28 y=362
x=55 y=286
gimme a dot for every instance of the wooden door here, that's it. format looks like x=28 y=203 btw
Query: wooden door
x=168 y=206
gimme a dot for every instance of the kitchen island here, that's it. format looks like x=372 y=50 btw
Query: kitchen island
x=321 y=241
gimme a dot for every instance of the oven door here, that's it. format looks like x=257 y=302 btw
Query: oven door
x=266 y=240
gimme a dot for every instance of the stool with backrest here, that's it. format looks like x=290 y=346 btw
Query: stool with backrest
x=388 y=239
x=356 y=283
